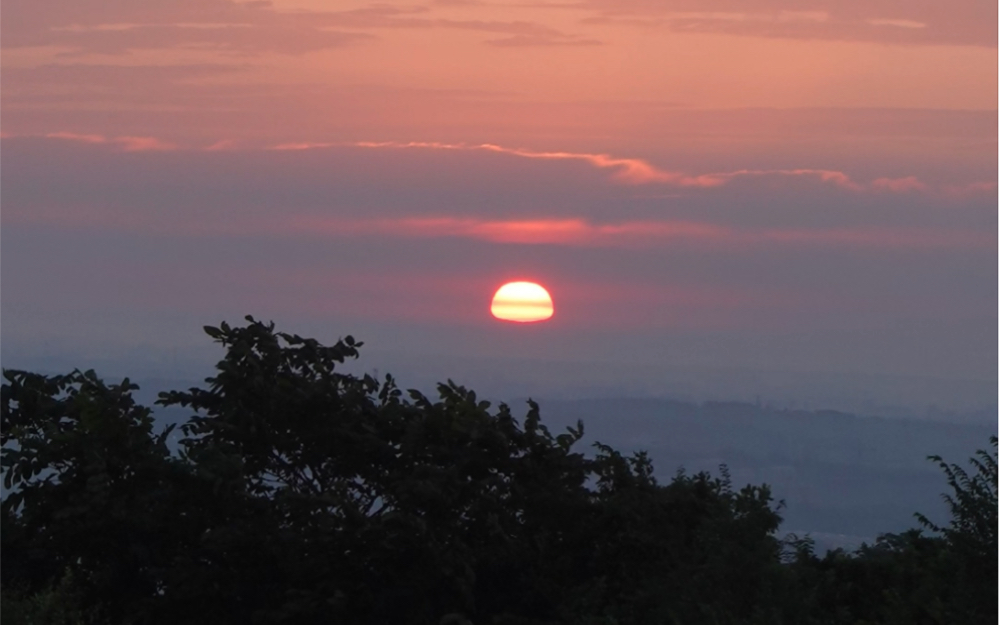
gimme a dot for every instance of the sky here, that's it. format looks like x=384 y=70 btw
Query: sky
x=758 y=187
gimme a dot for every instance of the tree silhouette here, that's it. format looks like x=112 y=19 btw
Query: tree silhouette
x=973 y=502
x=300 y=494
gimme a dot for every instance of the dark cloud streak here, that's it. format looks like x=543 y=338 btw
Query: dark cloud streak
x=904 y=22
x=239 y=28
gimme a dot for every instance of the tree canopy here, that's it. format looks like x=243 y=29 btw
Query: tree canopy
x=301 y=494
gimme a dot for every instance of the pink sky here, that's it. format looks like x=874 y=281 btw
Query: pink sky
x=669 y=168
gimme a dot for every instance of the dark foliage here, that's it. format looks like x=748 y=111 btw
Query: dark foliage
x=300 y=494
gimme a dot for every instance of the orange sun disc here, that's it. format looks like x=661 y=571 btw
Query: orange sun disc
x=522 y=302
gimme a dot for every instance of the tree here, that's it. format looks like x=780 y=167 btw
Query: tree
x=56 y=605
x=971 y=535
x=92 y=492
x=912 y=577
x=303 y=494
x=973 y=505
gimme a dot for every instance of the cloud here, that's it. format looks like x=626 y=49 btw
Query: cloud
x=128 y=144
x=581 y=232
x=974 y=188
x=222 y=145
x=103 y=76
x=837 y=178
x=520 y=32
x=517 y=41
x=559 y=232
x=236 y=38
x=142 y=144
x=94 y=26
x=961 y=22
x=624 y=170
x=896 y=23
x=899 y=185
x=303 y=145
x=638 y=171
x=72 y=136
x=248 y=28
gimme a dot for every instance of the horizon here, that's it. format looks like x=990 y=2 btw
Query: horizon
x=899 y=396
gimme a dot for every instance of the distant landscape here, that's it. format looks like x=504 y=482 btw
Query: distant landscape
x=843 y=478
x=844 y=474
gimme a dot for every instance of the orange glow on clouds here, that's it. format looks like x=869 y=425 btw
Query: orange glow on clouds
x=637 y=171
x=522 y=302
x=128 y=144
x=624 y=170
x=581 y=232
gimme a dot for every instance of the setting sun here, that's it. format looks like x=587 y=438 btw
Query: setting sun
x=522 y=302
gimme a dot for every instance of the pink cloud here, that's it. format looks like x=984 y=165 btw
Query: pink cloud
x=560 y=232
x=72 y=136
x=142 y=144
x=525 y=231
x=628 y=170
x=634 y=171
x=638 y=171
x=302 y=145
x=222 y=145
x=570 y=232
x=631 y=170
x=837 y=178
x=127 y=144
x=580 y=232
x=975 y=188
x=899 y=185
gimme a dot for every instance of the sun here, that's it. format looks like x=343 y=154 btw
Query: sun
x=522 y=302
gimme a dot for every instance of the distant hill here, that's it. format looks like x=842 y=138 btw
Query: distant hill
x=843 y=477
